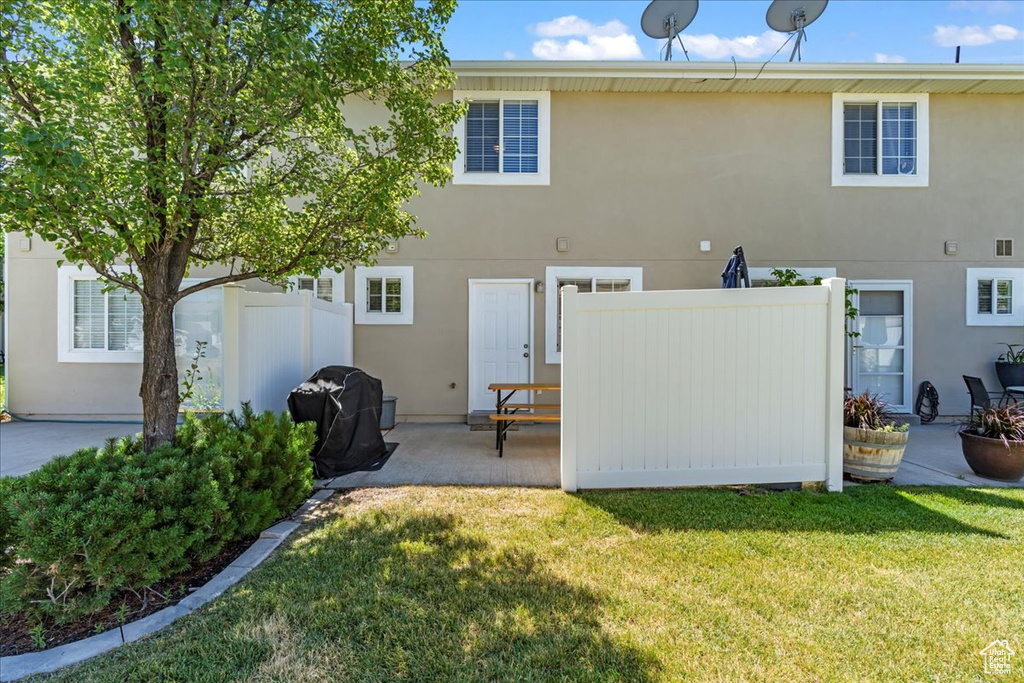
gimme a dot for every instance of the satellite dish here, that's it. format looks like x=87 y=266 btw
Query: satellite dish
x=788 y=16
x=667 y=19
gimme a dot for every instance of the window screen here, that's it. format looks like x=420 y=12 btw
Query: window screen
x=384 y=295
x=105 y=321
x=860 y=125
x=503 y=137
x=124 y=321
x=995 y=296
x=482 y=130
x=520 y=136
x=90 y=315
x=899 y=138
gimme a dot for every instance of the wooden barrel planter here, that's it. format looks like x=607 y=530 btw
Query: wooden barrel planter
x=991 y=458
x=870 y=455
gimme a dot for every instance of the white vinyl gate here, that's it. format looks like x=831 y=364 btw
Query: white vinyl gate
x=702 y=387
x=273 y=342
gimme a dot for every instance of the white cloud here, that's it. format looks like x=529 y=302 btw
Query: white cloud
x=509 y=54
x=990 y=6
x=890 y=59
x=711 y=46
x=574 y=26
x=951 y=36
x=611 y=40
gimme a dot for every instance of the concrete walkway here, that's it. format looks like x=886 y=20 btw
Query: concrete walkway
x=435 y=454
x=933 y=457
x=24 y=446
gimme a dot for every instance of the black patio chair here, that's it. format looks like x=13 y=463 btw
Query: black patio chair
x=982 y=398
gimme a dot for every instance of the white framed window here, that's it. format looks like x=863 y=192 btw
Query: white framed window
x=880 y=140
x=504 y=139
x=94 y=326
x=995 y=297
x=384 y=295
x=587 y=279
x=329 y=285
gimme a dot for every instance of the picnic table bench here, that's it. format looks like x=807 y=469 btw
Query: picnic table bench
x=507 y=413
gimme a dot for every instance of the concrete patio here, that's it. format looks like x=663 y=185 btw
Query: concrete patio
x=435 y=454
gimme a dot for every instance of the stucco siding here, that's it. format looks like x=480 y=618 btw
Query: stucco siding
x=639 y=180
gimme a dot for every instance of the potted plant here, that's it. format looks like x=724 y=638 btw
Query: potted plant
x=1010 y=366
x=873 y=442
x=993 y=442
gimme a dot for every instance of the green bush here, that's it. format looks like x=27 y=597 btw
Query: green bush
x=87 y=526
x=8 y=537
x=261 y=463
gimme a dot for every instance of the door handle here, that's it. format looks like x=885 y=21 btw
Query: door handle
x=526 y=355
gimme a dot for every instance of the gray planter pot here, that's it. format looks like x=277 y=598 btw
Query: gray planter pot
x=1010 y=374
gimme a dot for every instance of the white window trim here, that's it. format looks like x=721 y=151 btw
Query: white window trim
x=364 y=317
x=975 y=319
x=543 y=175
x=840 y=179
x=66 y=352
x=552 y=274
x=806 y=273
x=339 y=283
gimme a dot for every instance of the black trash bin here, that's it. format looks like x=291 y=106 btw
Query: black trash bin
x=346 y=405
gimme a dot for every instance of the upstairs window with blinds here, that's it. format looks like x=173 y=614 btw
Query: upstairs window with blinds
x=502 y=136
x=105 y=321
x=880 y=140
x=889 y=149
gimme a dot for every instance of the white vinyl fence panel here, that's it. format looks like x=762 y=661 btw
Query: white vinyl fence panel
x=702 y=387
x=273 y=342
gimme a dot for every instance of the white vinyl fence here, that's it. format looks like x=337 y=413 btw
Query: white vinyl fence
x=702 y=387
x=273 y=342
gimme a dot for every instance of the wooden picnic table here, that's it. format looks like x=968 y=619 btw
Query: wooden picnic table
x=506 y=413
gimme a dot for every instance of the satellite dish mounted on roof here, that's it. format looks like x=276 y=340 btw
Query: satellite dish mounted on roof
x=789 y=16
x=667 y=19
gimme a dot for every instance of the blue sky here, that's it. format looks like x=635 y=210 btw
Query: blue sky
x=849 y=31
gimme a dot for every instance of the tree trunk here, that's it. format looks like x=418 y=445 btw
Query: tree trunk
x=159 y=389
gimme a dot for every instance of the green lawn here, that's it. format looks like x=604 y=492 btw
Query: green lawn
x=449 y=584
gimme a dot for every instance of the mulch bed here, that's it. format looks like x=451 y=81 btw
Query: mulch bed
x=16 y=630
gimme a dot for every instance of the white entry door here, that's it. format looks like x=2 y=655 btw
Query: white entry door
x=500 y=337
x=881 y=357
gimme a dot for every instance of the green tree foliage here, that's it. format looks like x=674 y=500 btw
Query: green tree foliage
x=163 y=135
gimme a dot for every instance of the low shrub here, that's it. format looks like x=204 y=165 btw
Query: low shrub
x=261 y=462
x=1005 y=423
x=103 y=520
x=867 y=411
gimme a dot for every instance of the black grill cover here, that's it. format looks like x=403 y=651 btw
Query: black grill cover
x=345 y=403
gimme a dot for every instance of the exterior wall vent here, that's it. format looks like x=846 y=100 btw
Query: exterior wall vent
x=1004 y=247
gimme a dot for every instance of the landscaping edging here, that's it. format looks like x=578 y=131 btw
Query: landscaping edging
x=15 y=667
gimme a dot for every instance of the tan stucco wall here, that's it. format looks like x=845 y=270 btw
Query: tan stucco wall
x=639 y=180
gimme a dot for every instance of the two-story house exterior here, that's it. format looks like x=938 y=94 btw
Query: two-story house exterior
x=908 y=180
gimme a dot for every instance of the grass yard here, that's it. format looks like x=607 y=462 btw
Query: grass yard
x=463 y=584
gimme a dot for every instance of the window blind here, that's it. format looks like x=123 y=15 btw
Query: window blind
x=90 y=314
